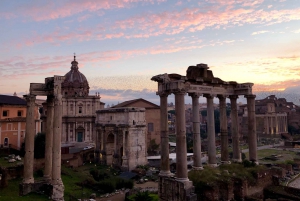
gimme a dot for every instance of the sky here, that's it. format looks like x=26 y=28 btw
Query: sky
x=121 y=44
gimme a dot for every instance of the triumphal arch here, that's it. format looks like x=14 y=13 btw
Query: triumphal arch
x=199 y=81
x=52 y=173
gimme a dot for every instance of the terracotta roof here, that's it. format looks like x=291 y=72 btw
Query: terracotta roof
x=11 y=100
x=128 y=103
x=14 y=119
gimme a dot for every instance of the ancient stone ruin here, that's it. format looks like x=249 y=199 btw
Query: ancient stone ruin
x=52 y=174
x=199 y=81
x=120 y=139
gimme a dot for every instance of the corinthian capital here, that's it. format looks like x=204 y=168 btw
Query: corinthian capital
x=30 y=99
x=195 y=95
x=163 y=93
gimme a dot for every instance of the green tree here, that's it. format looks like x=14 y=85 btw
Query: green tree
x=39 y=145
x=153 y=147
x=143 y=196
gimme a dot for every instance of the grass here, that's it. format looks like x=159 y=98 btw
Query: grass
x=12 y=192
x=70 y=177
x=286 y=155
x=225 y=173
x=4 y=163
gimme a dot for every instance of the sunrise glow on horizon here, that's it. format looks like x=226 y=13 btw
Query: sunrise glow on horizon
x=121 y=44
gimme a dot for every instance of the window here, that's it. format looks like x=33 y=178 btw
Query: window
x=5 y=113
x=71 y=107
x=6 y=142
x=80 y=109
x=150 y=127
x=20 y=112
x=88 y=107
x=9 y=127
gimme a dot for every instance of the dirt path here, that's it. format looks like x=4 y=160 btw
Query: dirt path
x=121 y=195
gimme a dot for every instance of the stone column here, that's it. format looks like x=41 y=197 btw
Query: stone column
x=58 y=187
x=271 y=123
x=97 y=148
x=181 y=152
x=252 y=138
x=164 y=136
x=115 y=159
x=285 y=123
x=124 y=157
x=91 y=131
x=211 y=136
x=102 y=148
x=235 y=129
x=49 y=139
x=196 y=132
x=223 y=128
x=29 y=140
x=267 y=125
x=276 y=124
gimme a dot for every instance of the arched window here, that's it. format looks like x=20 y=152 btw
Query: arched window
x=5 y=142
x=110 y=138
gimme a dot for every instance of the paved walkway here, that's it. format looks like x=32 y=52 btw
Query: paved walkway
x=295 y=183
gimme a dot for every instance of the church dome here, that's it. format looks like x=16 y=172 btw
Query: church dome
x=75 y=83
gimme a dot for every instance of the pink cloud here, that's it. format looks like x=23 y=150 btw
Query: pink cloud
x=168 y=23
x=50 y=10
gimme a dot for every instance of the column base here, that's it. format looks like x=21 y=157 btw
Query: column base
x=58 y=192
x=198 y=168
x=25 y=188
x=28 y=181
x=225 y=162
x=164 y=173
x=183 y=180
x=237 y=160
x=47 y=179
x=213 y=165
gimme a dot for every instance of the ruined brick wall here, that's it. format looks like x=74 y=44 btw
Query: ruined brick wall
x=171 y=190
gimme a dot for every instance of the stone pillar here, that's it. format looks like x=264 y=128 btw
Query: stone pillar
x=29 y=140
x=58 y=187
x=181 y=152
x=49 y=139
x=102 y=148
x=267 y=125
x=224 y=130
x=196 y=132
x=90 y=132
x=235 y=129
x=124 y=157
x=115 y=159
x=252 y=138
x=211 y=136
x=164 y=136
x=285 y=124
x=276 y=124
x=271 y=123
x=97 y=148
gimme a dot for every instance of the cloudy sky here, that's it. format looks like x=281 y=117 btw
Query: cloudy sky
x=121 y=44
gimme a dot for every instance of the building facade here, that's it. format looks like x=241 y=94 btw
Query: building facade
x=13 y=121
x=78 y=109
x=271 y=116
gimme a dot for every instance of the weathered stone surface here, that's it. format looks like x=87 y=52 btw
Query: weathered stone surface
x=122 y=136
